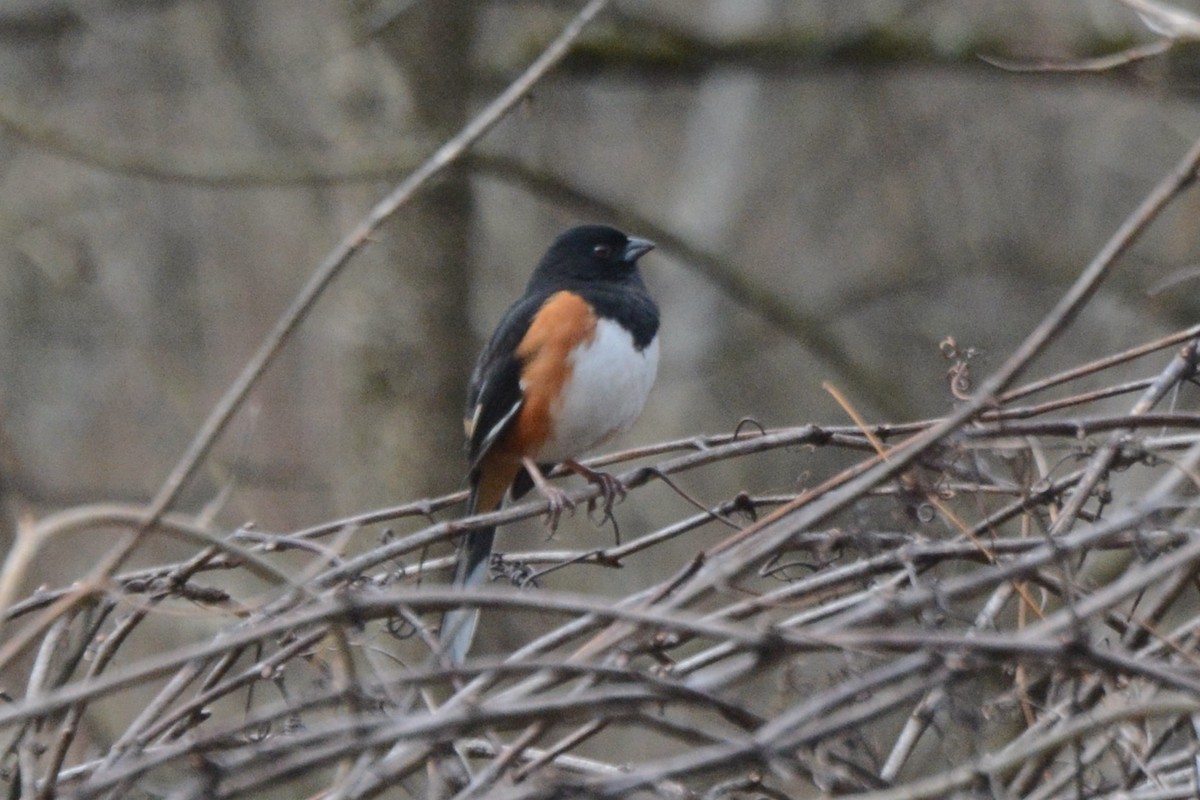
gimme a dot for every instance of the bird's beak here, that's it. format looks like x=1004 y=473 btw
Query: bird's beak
x=637 y=248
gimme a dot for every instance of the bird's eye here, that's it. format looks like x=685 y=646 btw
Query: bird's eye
x=602 y=251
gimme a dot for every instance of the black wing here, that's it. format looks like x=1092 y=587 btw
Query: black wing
x=495 y=396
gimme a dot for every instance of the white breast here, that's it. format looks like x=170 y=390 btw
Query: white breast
x=609 y=383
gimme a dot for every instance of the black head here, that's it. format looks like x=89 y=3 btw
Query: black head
x=592 y=253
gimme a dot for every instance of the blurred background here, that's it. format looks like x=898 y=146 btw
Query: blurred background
x=844 y=185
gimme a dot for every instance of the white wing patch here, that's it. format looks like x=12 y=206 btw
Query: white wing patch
x=490 y=439
x=610 y=380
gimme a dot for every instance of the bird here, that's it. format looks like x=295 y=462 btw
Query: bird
x=568 y=367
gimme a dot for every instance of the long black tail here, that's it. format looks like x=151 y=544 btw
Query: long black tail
x=474 y=559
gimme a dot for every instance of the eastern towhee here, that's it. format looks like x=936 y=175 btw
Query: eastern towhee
x=568 y=367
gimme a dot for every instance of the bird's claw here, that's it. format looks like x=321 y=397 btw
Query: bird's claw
x=557 y=502
x=611 y=488
x=611 y=491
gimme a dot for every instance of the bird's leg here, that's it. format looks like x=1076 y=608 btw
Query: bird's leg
x=611 y=489
x=556 y=497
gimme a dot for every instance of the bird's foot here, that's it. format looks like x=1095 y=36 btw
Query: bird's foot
x=611 y=489
x=556 y=498
x=558 y=503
